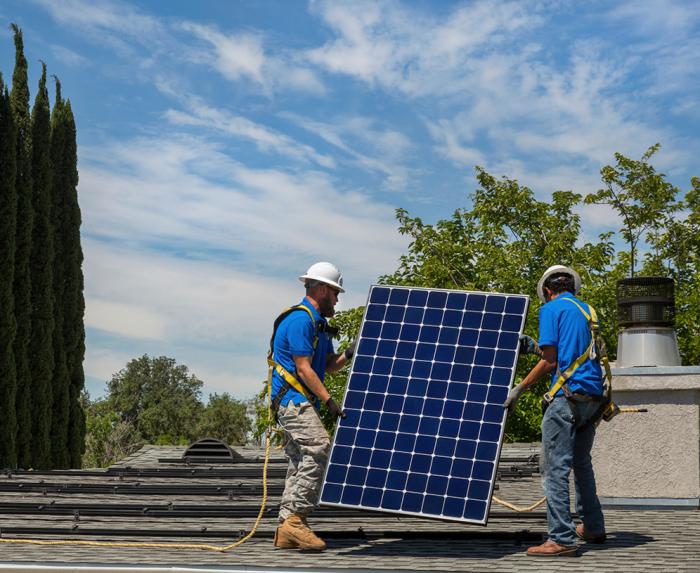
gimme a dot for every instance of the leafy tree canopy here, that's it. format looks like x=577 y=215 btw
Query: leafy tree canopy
x=226 y=419
x=158 y=396
x=157 y=401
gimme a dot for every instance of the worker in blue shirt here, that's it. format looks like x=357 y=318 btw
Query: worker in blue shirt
x=301 y=353
x=573 y=406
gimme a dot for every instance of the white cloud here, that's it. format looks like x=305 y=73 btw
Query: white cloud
x=104 y=15
x=451 y=143
x=238 y=56
x=265 y=139
x=130 y=320
x=384 y=151
x=69 y=57
x=191 y=195
x=399 y=48
x=111 y=23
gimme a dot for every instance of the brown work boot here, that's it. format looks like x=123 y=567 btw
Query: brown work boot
x=552 y=549
x=590 y=536
x=294 y=533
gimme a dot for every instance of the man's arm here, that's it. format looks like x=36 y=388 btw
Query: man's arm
x=335 y=362
x=547 y=363
x=313 y=383
x=310 y=378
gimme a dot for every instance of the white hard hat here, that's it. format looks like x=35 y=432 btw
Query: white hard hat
x=555 y=270
x=325 y=273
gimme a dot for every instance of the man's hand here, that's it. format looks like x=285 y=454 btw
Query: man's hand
x=335 y=410
x=528 y=345
x=513 y=397
x=350 y=350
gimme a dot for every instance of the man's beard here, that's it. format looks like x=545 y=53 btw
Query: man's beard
x=327 y=307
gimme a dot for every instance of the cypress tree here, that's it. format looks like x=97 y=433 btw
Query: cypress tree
x=41 y=343
x=19 y=104
x=60 y=180
x=8 y=218
x=74 y=301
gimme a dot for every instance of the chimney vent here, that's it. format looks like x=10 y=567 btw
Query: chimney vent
x=646 y=313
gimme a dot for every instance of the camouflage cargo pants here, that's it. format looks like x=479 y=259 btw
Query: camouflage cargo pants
x=307 y=447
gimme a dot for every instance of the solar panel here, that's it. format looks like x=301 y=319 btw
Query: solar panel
x=424 y=403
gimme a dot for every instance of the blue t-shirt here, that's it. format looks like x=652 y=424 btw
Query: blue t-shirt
x=564 y=326
x=295 y=337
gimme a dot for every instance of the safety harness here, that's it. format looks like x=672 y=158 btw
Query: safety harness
x=291 y=380
x=595 y=351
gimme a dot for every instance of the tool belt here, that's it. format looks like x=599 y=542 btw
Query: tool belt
x=575 y=400
x=595 y=351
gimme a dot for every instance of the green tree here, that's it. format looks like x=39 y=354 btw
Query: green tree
x=159 y=397
x=109 y=438
x=676 y=253
x=641 y=196
x=8 y=219
x=60 y=185
x=22 y=288
x=41 y=343
x=73 y=297
x=226 y=419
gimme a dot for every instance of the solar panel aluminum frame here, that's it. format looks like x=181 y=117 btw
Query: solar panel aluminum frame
x=526 y=300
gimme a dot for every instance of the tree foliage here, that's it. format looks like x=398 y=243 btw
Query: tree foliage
x=640 y=195
x=157 y=401
x=60 y=383
x=109 y=438
x=226 y=419
x=73 y=297
x=159 y=397
x=8 y=325
x=41 y=283
x=42 y=256
x=22 y=284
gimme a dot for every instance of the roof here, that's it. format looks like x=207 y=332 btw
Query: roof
x=143 y=499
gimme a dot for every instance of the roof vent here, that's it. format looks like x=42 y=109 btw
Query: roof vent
x=646 y=312
x=210 y=450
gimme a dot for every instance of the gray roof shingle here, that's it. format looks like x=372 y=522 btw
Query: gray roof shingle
x=640 y=540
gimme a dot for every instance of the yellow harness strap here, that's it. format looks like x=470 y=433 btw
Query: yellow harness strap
x=589 y=353
x=288 y=377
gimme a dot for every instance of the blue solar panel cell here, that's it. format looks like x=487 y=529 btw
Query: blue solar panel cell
x=424 y=403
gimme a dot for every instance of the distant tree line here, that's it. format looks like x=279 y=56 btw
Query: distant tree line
x=157 y=401
x=42 y=335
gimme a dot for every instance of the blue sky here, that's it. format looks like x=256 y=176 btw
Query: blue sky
x=226 y=146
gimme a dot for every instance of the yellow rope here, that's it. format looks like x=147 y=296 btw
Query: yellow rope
x=517 y=508
x=219 y=548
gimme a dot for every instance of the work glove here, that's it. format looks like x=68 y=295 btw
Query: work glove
x=350 y=350
x=528 y=345
x=335 y=410
x=513 y=397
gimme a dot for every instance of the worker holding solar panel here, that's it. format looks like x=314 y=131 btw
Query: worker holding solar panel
x=301 y=351
x=569 y=349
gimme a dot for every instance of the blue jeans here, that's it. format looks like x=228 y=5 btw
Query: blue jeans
x=564 y=448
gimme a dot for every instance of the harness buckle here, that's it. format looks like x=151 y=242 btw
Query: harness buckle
x=548 y=397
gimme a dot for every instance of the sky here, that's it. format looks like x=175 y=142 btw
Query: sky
x=224 y=147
